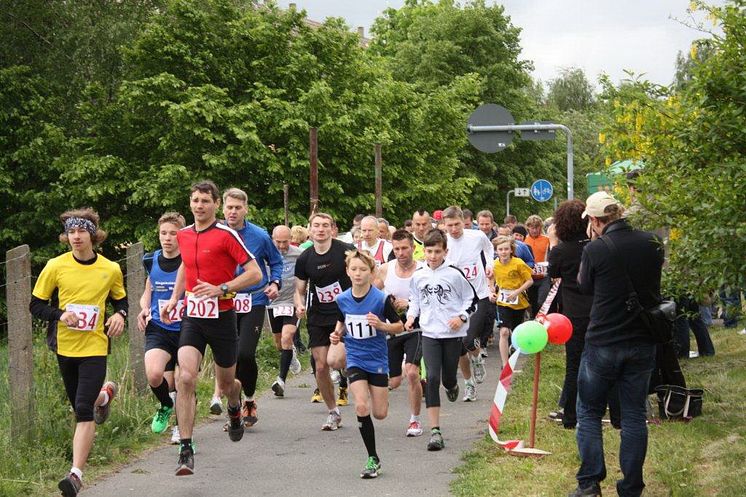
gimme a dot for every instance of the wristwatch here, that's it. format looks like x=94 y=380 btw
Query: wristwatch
x=123 y=313
x=224 y=289
x=463 y=317
x=278 y=283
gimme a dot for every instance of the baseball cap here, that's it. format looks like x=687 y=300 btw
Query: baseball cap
x=596 y=204
x=438 y=215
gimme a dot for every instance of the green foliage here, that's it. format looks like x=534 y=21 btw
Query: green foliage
x=571 y=90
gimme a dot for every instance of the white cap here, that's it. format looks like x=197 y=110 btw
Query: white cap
x=596 y=204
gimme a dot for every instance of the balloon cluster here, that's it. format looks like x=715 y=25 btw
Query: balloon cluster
x=532 y=336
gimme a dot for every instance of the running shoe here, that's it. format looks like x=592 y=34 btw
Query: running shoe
x=333 y=422
x=415 y=429
x=316 y=397
x=470 y=392
x=483 y=353
x=336 y=376
x=452 y=394
x=342 y=399
x=216 y=406
x=557 y=415
x=175 y=436
x=278 y=387
x=592 y=490
x=371 y=469
x=477 y=367
x=295 y=366
x=100 y=413
x=436 y=441
x=70 y=485
x=160 y=420
x=235 y=426
x=248 y=412
x=185 y=466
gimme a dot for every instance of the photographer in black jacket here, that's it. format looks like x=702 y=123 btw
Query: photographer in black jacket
x=618 y=349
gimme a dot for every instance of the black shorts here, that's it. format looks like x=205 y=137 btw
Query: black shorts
x=220 y=334
x=167 y=341
x=319 y=329
x=476 y=325
x=277 y=323
x=409 y=345
x=374 y=379
x=510 y=318
x=83 y=378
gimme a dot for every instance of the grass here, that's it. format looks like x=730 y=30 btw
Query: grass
x=701 y=458
x=33 y=467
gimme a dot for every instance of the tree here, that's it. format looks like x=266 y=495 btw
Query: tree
x=571 y=90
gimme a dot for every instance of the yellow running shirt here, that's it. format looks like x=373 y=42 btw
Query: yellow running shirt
x=509 y=277
x=82 y=288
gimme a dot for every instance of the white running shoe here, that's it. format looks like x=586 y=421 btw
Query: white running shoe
x=335 y=376
x=470 y=392
x=415 y=429
x=175 y=437
x=278 y=387
x=295 y=366
x=477 y=368
x=333 y=422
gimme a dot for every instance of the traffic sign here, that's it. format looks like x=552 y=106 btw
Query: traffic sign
x=522 y=192
x=537 y=135
x=490 y=115
x=541 y=190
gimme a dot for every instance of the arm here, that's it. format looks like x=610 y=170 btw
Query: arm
x=179 y=286
x=144 y=316
x=251 y=276
x=414 y=305
x=380 y=276
x=115 y=324
x=300 y=297
x=274 y=259
x=394 y=324
x=488 y=251
x=585 y=274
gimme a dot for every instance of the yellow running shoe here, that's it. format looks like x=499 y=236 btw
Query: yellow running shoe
x=342 y=400
x=316 y=397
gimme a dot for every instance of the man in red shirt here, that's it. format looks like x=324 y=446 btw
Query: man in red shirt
x=210 y=253
x=539 y=244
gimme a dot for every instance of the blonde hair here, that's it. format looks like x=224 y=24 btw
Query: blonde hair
x=237 y=194
x=366 y=258
x=298 y=234
x=174 y=218
x=534 y=221
x=499 y=240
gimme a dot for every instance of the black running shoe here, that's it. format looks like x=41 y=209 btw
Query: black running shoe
x=185 y=466
x=70 y=485
x=235 y=424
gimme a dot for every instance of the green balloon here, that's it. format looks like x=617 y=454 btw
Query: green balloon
x=531 y=337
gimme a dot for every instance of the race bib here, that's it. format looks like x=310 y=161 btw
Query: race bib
x=205 y=308
x=87 y=316
x=540 y=269
x=242 y=303
x=175 y=315
x=285 y=310
x=358 y=327
x=328 y=294
x=503 y=297
x=470 y=271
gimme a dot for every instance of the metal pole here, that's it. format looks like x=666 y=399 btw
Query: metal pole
x=285 y=197
x=379 y=181
x=313 y=151
x=534 y=402
x=507 y=203
x=537 y=127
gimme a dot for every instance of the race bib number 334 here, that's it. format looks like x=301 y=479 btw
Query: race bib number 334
x=87 y=316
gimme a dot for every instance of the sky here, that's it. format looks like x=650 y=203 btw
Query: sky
x=597 y=36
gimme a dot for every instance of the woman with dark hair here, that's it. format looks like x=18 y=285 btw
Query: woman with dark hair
x=564 y=262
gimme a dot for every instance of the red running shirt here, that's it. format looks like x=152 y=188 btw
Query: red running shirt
x=211 y=255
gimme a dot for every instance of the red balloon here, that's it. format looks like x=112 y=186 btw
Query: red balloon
x=559 y=328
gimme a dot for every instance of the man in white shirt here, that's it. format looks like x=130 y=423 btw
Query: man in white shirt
x=471 y=252
x=379 y=249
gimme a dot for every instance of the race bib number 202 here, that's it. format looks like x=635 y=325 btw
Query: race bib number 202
x=205 y=308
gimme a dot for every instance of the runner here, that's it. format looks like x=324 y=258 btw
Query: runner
x=512 y=277
x=472 y=253
x=210 y=252
x=282 y=317
x=372 y=242
x=250 y=303
x=162 y=340
x=71 y=294
x=363 y=315
x=421 y=226
x=321 y=270
x=394 y=278
x=522 y=251
x=443 y=299
x=539 y=244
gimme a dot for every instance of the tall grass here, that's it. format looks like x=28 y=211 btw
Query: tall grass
x=33 y=467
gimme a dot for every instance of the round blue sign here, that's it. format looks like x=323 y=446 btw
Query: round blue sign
x=541 y=190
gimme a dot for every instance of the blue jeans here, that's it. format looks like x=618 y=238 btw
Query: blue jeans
x=628 y=366
x=731 y=299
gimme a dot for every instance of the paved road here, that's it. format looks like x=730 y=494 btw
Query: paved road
x=286 y=453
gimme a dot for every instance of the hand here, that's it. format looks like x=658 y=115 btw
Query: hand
x=69 y=318
x=334 y=337
x=512 y=295
x=204 y=289
x=488 y=271
x=373 y=320
x=114 y=325
x=455 y=323
x=493 y=297
x=401 y=305
x=409 y=325
x=300 y=311
x=271 y=291
x=166 y=311
x=142 y=319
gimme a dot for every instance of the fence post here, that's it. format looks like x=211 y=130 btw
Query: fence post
x=20 y=340
x=135 y=287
